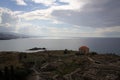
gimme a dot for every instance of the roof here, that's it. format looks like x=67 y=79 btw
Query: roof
x=83 y=47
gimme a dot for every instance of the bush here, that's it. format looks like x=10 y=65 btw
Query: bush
x=93 y=53
x=65 y=51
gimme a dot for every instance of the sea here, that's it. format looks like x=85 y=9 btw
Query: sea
x=99 y=45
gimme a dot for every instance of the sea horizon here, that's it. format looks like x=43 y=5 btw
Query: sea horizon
x=96 y=44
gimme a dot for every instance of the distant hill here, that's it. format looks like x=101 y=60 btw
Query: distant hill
x=10 y=35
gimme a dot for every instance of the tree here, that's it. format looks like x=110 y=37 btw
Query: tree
x=65 y=51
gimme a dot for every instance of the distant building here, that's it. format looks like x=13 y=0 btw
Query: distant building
x=84 y=50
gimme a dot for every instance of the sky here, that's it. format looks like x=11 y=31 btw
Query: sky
x=69 y=18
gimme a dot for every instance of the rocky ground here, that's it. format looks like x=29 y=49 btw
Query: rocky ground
x=57 y=65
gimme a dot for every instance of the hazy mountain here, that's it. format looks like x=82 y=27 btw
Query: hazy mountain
x=11 y=35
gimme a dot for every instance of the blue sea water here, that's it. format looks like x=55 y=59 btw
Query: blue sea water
x=100 y=45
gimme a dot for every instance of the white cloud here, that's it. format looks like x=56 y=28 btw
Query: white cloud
x=77 y=12
x=0 y=17
x=37 y=14
x=96 y=32
x=45 y=2
x=8 y=16
x=8 y=20
x=108 y=29
x=74 y=5
x=72 y=13
x=21 y=2
x=56 y=22
x=18 y=12
x=11 y=23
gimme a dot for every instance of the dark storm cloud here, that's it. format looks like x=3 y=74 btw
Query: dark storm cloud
x=97 y=13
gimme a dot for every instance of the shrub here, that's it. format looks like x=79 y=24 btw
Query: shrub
x=93 y=53
x=65 y=51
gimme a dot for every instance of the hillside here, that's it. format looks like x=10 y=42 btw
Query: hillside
x=57 y=65
x=10 y=35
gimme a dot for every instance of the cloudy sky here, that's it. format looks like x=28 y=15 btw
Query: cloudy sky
x=71 y=18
